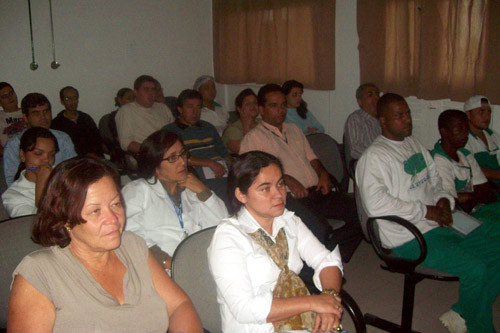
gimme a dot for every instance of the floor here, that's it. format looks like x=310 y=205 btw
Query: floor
x=380 y=292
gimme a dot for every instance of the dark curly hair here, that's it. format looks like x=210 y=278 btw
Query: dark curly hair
x=287 y=87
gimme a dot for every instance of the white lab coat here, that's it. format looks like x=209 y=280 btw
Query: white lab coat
x=151 y=214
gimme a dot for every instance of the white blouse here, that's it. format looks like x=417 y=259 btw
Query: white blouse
x=246 y=275
x=19 y=198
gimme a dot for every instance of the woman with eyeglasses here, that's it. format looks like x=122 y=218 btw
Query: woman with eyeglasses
x=168 y=203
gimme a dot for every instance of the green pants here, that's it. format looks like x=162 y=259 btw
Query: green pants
x=475 y=260
x=489 y=214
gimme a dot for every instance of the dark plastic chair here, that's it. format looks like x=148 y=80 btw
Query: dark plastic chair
x=119 y=158
x=350 y=163
x=328 y=151
x=190 y=271
x=15 y=244
x=410 y=268
x=171 y=102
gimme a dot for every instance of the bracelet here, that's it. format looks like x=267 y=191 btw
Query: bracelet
x=332 y=292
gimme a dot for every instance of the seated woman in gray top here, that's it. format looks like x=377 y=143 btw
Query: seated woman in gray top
x=92 y=276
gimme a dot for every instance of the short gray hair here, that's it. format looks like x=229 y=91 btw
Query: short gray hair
x=359 y=91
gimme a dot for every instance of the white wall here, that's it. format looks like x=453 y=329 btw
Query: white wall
x=104 y=45
x=333 y=107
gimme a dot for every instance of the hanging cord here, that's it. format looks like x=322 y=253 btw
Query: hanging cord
x=54 y=63
x=33 y=65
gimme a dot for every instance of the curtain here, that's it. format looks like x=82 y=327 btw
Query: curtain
x=266 y=41
x=431 y=49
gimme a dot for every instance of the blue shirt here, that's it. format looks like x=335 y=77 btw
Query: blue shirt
x=293 y=117
x=11 y=158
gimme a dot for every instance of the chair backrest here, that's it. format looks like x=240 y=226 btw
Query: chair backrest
x=190 y=271
x=362 y=214
x=15 y=244
x=171 y=102
x=350 y=163
x=105 y=131
x=328 y=152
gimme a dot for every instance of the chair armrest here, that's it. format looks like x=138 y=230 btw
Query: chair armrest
x=350 y=305
x=335 y=183
x=393 y=262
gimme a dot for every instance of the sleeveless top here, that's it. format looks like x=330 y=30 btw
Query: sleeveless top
x=82 y=305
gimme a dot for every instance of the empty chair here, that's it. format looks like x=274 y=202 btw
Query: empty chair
x=190 y=271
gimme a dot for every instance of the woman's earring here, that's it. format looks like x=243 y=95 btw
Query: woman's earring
x=68 y=229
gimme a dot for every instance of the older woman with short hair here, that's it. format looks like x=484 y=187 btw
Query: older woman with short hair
x=92 y=276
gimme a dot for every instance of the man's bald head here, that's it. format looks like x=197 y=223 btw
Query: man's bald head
x=394 y=116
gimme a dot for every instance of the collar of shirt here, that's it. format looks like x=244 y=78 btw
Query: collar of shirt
x=276 y=130
x=249 y=225
x=438 y=149
x=488 y=131
x=157 y=186
x=366 y=115
x=23 y=182
x=184 y=126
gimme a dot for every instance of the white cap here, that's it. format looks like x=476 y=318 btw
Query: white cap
x=202 y=80
x=475 y=102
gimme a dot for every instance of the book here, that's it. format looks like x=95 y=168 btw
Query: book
x=463 y=223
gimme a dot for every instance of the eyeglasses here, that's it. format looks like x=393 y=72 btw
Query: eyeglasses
x=174 y=158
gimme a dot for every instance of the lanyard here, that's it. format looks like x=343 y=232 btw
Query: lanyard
x=178 y=210
x=282 y=139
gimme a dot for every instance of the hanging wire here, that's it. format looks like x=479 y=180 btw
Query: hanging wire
x=33 y=65
x=54 y=63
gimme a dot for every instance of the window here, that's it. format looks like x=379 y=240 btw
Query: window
x=265 y=41
x=431 y=49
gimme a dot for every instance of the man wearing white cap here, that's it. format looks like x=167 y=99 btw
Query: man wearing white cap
x=211 y=111
x=483 y=142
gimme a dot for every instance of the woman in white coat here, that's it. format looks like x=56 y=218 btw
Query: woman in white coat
x=256 y=255
x=168 y=203
x=37 y=150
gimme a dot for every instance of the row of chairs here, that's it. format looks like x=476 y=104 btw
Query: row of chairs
x=190 y=255
x=15 y=244
x=190 y=265
x=189 y=269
